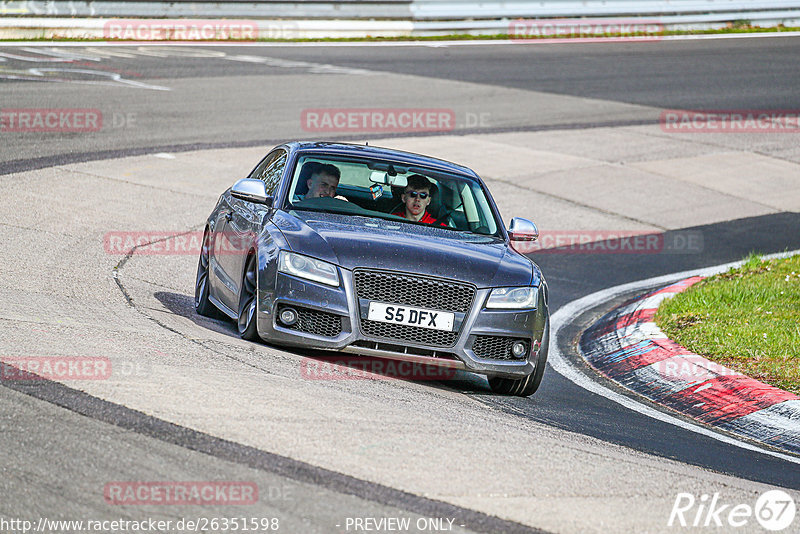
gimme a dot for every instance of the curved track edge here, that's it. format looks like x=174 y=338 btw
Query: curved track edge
x=627 y=346
x=561 y=363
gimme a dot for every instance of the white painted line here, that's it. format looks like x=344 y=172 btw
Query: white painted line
x=654 y=375
x=638 y=332
x=787 y=409
x=649 y=303
x=564 y=367
x=314 y=68
x=701 y=388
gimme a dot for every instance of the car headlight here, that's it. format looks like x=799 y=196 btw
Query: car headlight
x=308 y=268
x=513 y=297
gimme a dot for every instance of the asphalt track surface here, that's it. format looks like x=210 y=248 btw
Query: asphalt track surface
x=262 y=108
x=744 y=74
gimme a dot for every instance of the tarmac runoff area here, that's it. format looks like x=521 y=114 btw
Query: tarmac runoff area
x=60 y=296
x=627 y=346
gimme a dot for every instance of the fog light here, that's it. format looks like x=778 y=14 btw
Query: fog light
x=288 y=316
x=518 y=349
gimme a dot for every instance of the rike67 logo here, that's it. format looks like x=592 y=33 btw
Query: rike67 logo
x=774 y=510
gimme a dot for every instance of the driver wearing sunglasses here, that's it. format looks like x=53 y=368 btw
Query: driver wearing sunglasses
x=416 y=197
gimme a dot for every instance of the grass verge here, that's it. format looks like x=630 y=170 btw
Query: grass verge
x=747 y=319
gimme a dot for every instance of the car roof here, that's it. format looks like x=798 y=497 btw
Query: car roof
x=399 y=156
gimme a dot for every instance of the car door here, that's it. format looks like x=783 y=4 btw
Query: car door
x=241 y=224
x=222 y=285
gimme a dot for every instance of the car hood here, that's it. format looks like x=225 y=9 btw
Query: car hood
x=353 y=241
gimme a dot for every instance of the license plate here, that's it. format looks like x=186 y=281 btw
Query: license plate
x=392 y=313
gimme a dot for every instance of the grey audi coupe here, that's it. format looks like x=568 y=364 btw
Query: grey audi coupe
x=380 y=253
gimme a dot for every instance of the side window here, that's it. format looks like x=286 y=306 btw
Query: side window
x=270 y=170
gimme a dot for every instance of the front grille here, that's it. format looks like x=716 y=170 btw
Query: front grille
x=423 y=336
x=414 y=291
x=494 y=347
x=315 y=322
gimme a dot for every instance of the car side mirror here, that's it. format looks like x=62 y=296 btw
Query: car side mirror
x=251 y=190
x=522 y=230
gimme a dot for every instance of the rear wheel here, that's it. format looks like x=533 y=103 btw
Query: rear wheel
x=202 y=305
x=527 y=386
x=248 y=301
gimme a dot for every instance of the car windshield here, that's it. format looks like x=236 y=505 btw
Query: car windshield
x=387 y=190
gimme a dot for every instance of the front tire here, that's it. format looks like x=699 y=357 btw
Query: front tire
x=525 y=387
x=248 y=301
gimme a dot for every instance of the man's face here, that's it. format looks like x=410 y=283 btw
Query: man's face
x=322 y=185
x=415 y=204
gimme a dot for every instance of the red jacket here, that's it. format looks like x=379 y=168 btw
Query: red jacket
x=426 y=218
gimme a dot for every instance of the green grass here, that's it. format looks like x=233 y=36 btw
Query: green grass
x=735 y=27
x=747 y=319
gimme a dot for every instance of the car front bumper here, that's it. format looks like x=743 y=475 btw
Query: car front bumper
x=320 y=305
